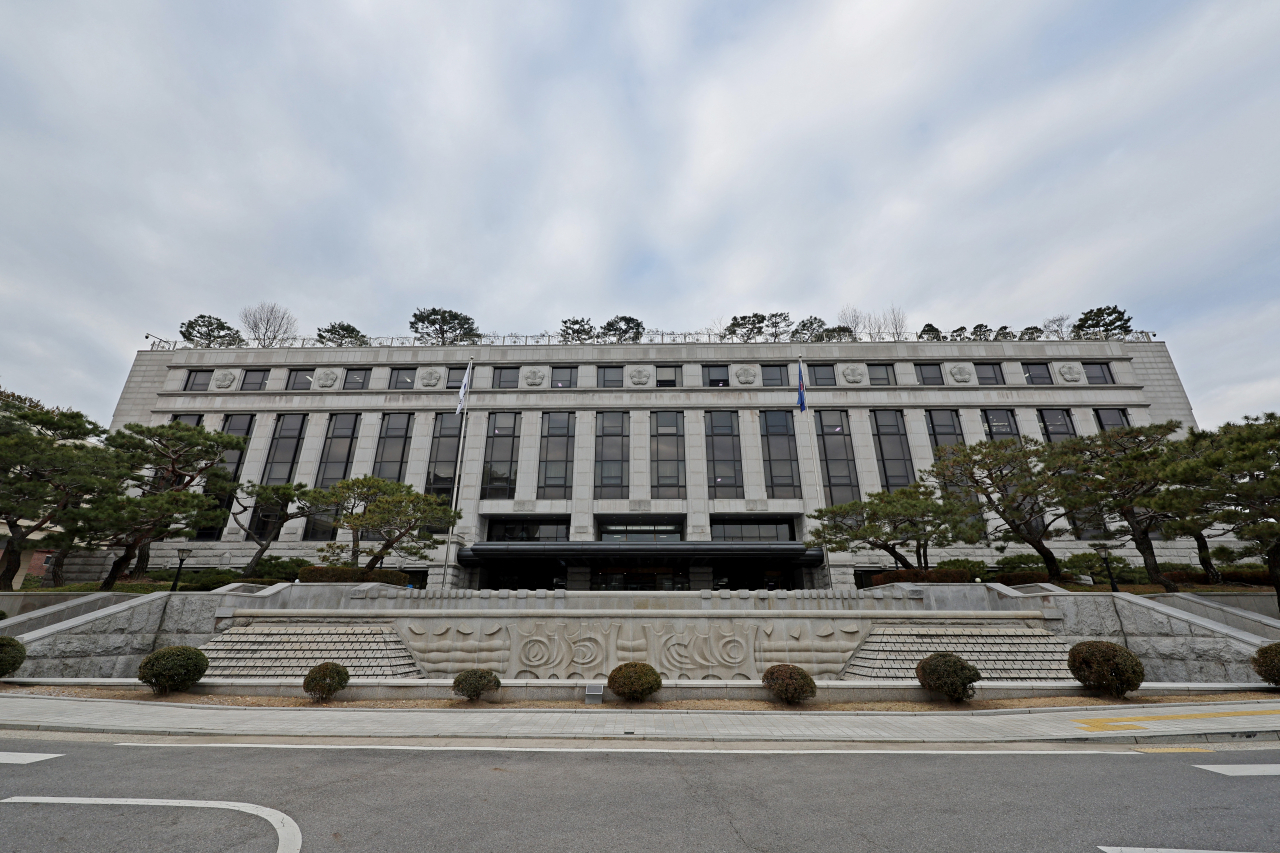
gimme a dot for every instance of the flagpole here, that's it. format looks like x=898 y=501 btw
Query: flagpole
x=464 y=403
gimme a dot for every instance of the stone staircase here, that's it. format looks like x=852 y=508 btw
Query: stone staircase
x=1000 y=654
x=270 y=651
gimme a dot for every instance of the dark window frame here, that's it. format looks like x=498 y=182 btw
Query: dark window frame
x=556 y=448
x=667 y=467
x=943 y=432
x=362 y=374
x=822 y=375
x=997 y=373
x=397 y=382
x=613 y=448
x=568 y=379
x=297 y=375
x=340 y=436
x=258 y=384
x=395 y=440
x=501 y=448
x=780 y=454
x=835 y=456
x=287 y=435
x=1101 y=373
x=676 y=376
x=605 y=380
x=198 y=380
x=1102 y=424
x=711 y=377
x=893 y=449
x=454 y=376
x=1032 y=376
x=506 y=378
x=888 y=373
x=1052 y=433
x=925 y=373
x=781 y=377
x=724 y=457
x=446 y=438
x=989 y=432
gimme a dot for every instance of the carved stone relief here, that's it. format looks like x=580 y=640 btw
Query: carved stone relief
x=430 y=378
x=853 y=374
x=961 y=373
x=224 y=379
x=534 y=377
x=326 y=378
x=640 y=376
x=1070 y=372
x=745 y=375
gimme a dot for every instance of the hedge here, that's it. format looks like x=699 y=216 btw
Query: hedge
x=634 y=681
x=173 y=668
x=12 y=654
x=1267 y=664
x=346 y=574
x=472 y=683
x=922 y=576
x=1258 y=578
x=948 y=674
x=789 y=683
x=1106 y=667
x=325 y=680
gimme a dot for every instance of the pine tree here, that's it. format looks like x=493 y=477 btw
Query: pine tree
x=444 y=327
x=205 y=331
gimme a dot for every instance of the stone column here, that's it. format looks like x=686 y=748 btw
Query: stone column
x=918 y=440
x=864 y=452
x=305 y=470
x=698 y=520
x=639 y=450
x=366 y=444
x=752 y=454
x=415 y=473
x=527 y=466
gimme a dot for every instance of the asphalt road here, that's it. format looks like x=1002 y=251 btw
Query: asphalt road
x=505 y=801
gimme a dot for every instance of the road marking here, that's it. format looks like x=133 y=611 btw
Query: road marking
x=640 y=749
x=286 y=830
x=1242 y=769
x=1155 y=850
x=27 y=757
x=1170 y=749
x=1121 y=724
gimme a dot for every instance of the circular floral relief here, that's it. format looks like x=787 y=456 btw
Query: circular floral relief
x=430 y=378
x=746 y=375
x=533 y=376
x=854 y=374
x=326 y=378
x=1071 y=373
x=640 y=376
x=223 y=379
x=961 y=373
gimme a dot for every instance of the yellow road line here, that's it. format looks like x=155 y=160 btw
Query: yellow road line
x=1121 y=724
x=1171 y=749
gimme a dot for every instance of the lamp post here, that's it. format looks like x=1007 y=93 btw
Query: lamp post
x=1104 y=551
x=183 y=553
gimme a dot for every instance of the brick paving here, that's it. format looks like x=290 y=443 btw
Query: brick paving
x=1003 y=654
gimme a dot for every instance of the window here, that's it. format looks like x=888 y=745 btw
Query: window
x=402 y=378
x=321 y=527
x=393 y=446
x=1056 y=425
x=501 y=451
x=339 y=446
x=555 y=456
x=609 y=377
x=641 y=532
x=506 y=377
x=299 y=380
x=822 y=374
x=241 y=425
x=260 y=521
x=189 y=420
x=752 y=530
x=254 y=380
x=282 y=453
x=1099 y=374
x=1111 y=418
x=443 y=461
x=999 y=424
x=198 y=380
x=881 y=374
x=944 y=429
x=666 y=455
x=929 y=374
x=715 y=376
x=564 y=377
x=724 y=456
x=1037 y=373
x=356 y=379
x=671 y=377
x=528 y=530
x=613 y=454
x=455 y=377
x=893 y=454
x=989 y=374
x=835 y=454
x=781 y=461
x=774 y=375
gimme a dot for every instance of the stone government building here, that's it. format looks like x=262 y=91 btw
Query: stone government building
x=646 y=466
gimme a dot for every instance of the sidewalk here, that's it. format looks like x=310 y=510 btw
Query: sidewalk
x=1259 y=720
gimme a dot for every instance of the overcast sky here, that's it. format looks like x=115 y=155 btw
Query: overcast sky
x=976 y=162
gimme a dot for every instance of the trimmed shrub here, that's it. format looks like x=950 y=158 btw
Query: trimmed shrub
x=1106 y=667
x=921 y=576
x=387 y=576
x=12 y=654
x=948 y=674
x=173 y=668
x=471 y=683
x=1195 y=575
x=634 y=681
x=325 y=680
x=1020 y=563
x=1015 y=578
x=3 y=615
x=1266 y=663
x=789 y=684
x=973 y=568
x=347 y=574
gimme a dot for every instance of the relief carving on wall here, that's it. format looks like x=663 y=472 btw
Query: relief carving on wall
x=745 y=375
x=640 y=376
x=224 y=379
x=430 y=378
x=853 y=374
x=1070 y=372
x=961 y=373
x=534 y=377
x=326 y=378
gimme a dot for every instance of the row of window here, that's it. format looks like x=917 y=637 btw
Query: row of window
x=723 y=529
x=713 y=376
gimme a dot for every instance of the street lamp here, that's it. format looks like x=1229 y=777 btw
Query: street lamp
x=1104 y=551
x=183 y=553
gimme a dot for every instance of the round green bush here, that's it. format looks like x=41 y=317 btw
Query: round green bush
x=173 y=668
x=1266 y=663
x=790 y=684
x=325 y=680
x=634 y=681
x=12 y=654
x=1106 y=667
x=948 y=674
x=471 y=683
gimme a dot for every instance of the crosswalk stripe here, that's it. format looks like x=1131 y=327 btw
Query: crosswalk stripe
x=1242 y=769
x=27 y=757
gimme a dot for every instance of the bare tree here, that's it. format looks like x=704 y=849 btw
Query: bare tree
x=718 y=329
x=853 y=320
x=1055 y=328
x=895 y=323
x=876 y=326
x=269 y=324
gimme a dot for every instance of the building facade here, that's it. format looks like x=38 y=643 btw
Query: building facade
x=648 y=466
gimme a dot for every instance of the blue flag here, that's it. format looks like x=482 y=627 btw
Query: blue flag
x=800 y=398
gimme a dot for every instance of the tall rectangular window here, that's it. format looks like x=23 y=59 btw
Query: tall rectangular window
x=1037 y=373
x=729 y=529
x=613 y=454
x=835 y=453
x=893 y=454
x=198 y=380
x=455 y=377
x=989 y=374
x=999 y=424
x=1099 y=374
x=781 y=460
x=339 y=447
x=402 y=378
x=1111 y=418
x=564 y=377
x=189 y=420
x=443 y=461
x=609 y=377
x=715 y=375
x=506 y=377
x=929 y=374
x=774 y=375
x=254 y=380
x=356 y=379
x=724 y=456
x=300 y=380
x=1056 y=425
x=501 y=451
x=240 y=425
x=822 y=374
x=555 y=456
x=881 y=374
x=670 y=376
x=944 y=428
x=666 y=455
x=282 y=453
x=393 y=446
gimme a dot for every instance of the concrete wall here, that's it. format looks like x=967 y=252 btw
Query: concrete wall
x=17 y=603
x=61 y=612
x=1222 y=611
x=1256 y=602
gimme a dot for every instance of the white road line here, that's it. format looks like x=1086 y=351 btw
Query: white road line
x=287 y=831
x=1155 y=850
x=27 y=757
x=1242 y=769
x=622 y=749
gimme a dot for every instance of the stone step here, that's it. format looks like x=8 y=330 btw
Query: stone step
x=1005 y=654
x=267 y=651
